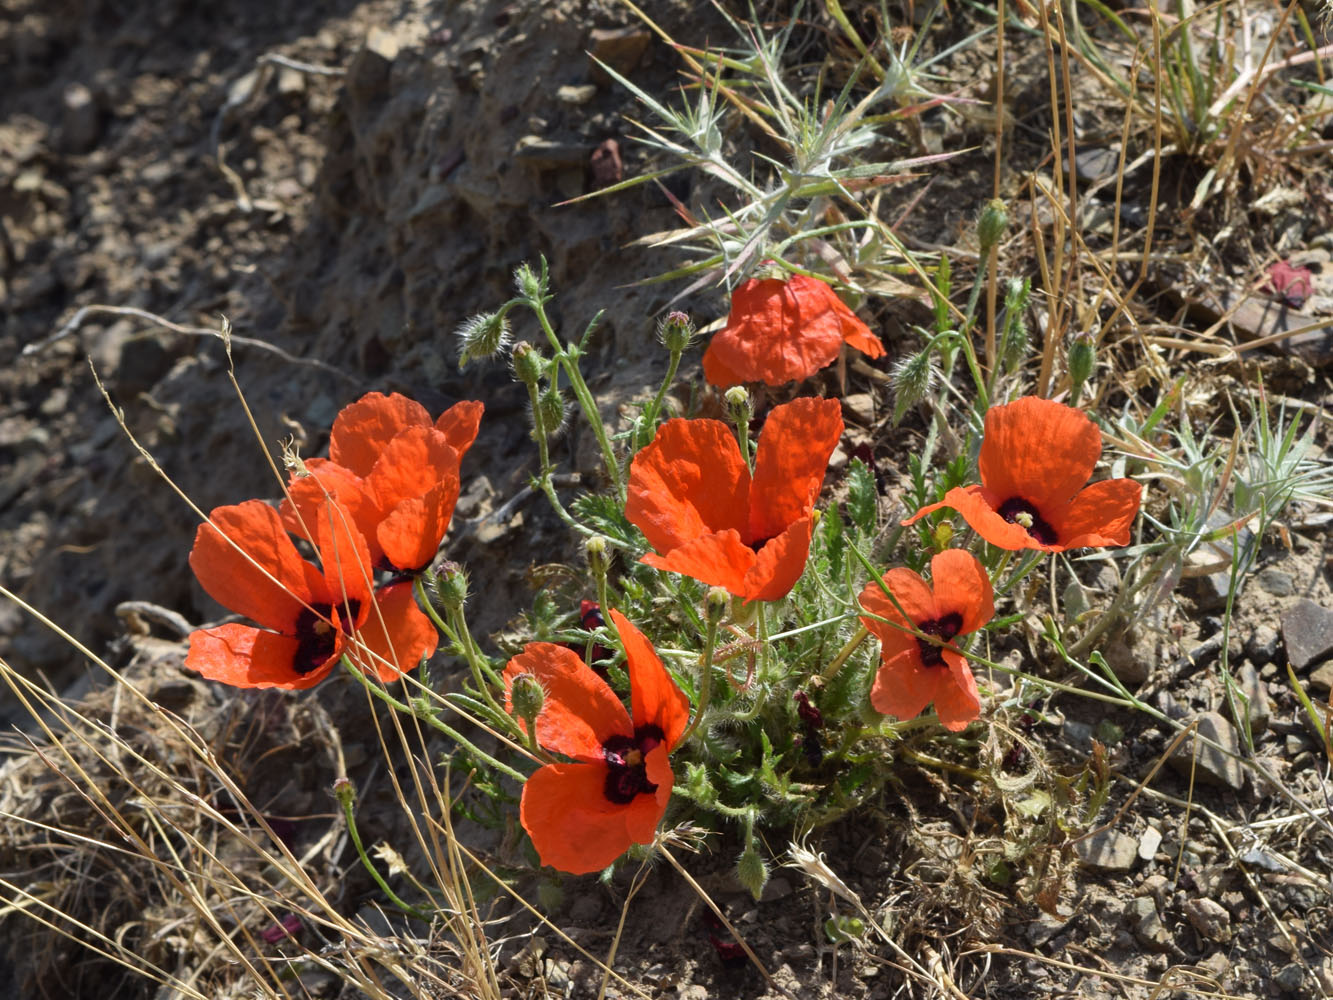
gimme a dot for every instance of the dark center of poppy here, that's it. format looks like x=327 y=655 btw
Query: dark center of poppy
x=1018 y=511
x=316 y=637
x=626 y=764
x=942 y=628
x=759 y=543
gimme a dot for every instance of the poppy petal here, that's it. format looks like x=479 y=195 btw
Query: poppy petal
x=363 y=429
x=580 y=712
x=573 y=825
x=396 y=636
x=245 y=561
x=717 y=372
x=330 y=481
x=252 y=658
x=780 y=563
x=904 y=686
x=913 y=595
x=690 y=480
x=655 y=699
x=962 y=586
x=1101 y=514
x=1039 y=450
x=411 y=533
x=790 y=462
x=644 y=813
x=957 y=701
x=348 y=572
x=410 y=465
x=972 y=503
x=858 y=335
x=779 y=331
x=459 y=424
x=720 y=559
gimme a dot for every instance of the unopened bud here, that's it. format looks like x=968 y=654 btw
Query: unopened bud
x=596 y=551
x=675 y=332
x=553 y=411
x=912 y=380
x=717 y=602
x=992 y=224
x=1082 y=358
x=527 y=697
x=737 y=398
x=528 y=283
x=752 y=872
x=344 y=791
x=528 y=363
x=482 y=337
x=451 y=586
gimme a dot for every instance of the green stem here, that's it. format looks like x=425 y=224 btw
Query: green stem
x=705 y=681
x=831 y=671
x=655 y=407
x=350 y=814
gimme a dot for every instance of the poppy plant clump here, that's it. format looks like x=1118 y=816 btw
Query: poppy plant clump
x=310 y=616
x=583 y=815
x=694 y=498
x=784 y=330
x=915 y=671
x=1036 y=458
x=395 y=471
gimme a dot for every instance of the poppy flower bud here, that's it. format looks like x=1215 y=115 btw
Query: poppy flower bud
x=553 y=411
x=482 y=336
x=675 y=332
x=752 y=872
x=718 y=602
x=451 y=586
x=992 y=224
x=528 y=697
x=738 y=405
x=913 y=378
x=344 y=791
x=528 y=283
x=1082 y=358
x=595 y=549
x=528 y=364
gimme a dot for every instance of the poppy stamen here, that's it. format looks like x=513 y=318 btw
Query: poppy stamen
x=316 y=636
x=1018 y=511
x=627 y=769
x=941 y=628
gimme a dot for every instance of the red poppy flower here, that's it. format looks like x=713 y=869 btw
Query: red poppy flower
x=245 y=560
x=394 y=471
x=1036 y=458
x=583 y=815
x=913 y=671
x=692 y=495
x=782 y=331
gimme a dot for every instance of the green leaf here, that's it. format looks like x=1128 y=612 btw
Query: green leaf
x=862 y=496
x=603 y=513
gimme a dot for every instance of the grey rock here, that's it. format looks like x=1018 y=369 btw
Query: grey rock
x=1321 y=678
x=1096 y=163
x=620 y=48
x=1277 y=582
x=368 y=72
x=1290 y=977
x=1108 y=851
x=1141 y=915
x=548 y=154
x=1307 y=631
x=576 y=95
x=1255 y=704
x=1149 y=842
x=1044 y=928
x=80 y=119
x=1213 y=767
x=1210 y=918
x=1262 y=645
x=860 y=406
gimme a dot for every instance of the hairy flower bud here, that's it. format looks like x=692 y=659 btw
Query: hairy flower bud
x=752 y=871
x=738 y=401
x=598 y=555
x=527 y=697
x=553 y=411
x=675 y=332
x=528 y=364
x=992 y=224
x=482 y=336
x=528 y=283
x=718 y=601
x=912 y=380
x=1082 y=359
x=451 y=585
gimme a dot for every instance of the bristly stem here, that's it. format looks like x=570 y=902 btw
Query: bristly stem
x=347 y=796
x=706 y=679
x=849 y=647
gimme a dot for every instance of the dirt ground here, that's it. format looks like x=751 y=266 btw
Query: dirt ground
x=345 y=183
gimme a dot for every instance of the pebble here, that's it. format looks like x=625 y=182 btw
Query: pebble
x=1210 y=918
x=1256 y=704
x=1262 y=645
x=1214 y=766
x=605 y=165
x=1277 y=582
x=619 y=48
x=1321 y=678
x=368 y=73
x=1108 y=851
x=1307 y=632
x=576 y=94
x=1149 y=842
x=1290 y=977
x=80 y=121
x=548 y=154
x=1141 y=912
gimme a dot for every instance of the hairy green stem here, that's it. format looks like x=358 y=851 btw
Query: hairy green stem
x=705 y=681
x=346 y=796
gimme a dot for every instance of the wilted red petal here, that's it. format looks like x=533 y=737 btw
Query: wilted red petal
x=779 y=564
x=580 y=712
x=273 y=584
x=573 y=825
x=689 y=481
x=363 y=429
x=252 y=658
x=961 y=585
x=790 y=462
x=719 y=559
x=1039 y=450
x=410 y=534
x=655 y=699
x=957 y=701
x=459 y=424
x=778 y=331
x=1100 y=515
x=396 y=635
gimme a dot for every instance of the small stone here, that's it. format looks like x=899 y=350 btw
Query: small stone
x=1321 y=678
x=1044 y=928
x=1150 y=840
x=291 y=82
x=368 y=72
x=1290 y=977
x=1307 y=632
x=1141 y=914
x=1094 y=164
x=1255 y=704
x=1277 y=582
x=547 y=154
x=619 y=48
x=1262 y=645
x=175 y=694
x=1108 y=851
x=860 y=407
x=1213 y=766
x=1210 y=918
x=80 y=121
x=576 y=95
